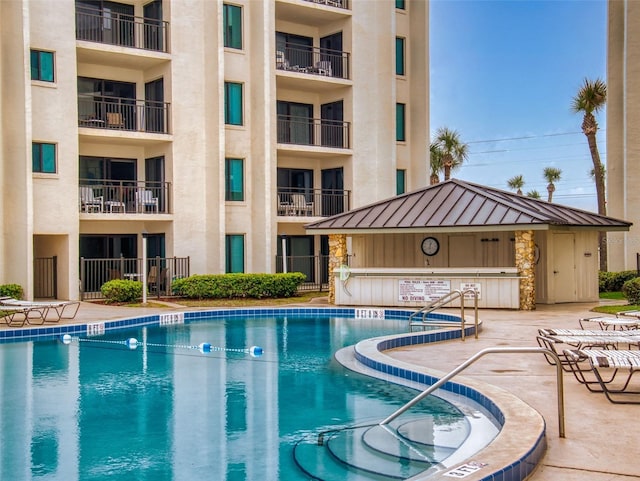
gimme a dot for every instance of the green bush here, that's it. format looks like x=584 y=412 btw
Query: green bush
x=613 y=281
x=11 y=290
x=228 y=286
x=631 y=290
x=119 y=290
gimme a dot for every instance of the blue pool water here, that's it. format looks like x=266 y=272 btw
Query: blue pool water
x=96 y=409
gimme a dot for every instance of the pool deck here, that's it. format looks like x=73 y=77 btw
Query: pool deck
x=601 y=442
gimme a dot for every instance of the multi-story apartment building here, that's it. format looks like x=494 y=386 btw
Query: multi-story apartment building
x=203 y=129
x=623 y=124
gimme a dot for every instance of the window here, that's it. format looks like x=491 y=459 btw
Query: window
x=232 y=103
x=232 y=26
x=43 y=157
x=400 y=121
x=234 y=179
x=234 y=253
x=401 y=179
x=400 y=4
x=42 y=65
x=399 y=56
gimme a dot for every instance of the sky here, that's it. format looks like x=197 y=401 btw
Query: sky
x=503 y=74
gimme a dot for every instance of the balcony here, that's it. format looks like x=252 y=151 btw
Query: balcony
x=314 y=61
x=113 y=28
x=313 y=132
x=116 y=113
x=301 y=202
x=114 y=197
x=314 y=13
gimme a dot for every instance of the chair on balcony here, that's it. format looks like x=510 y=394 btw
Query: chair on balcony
x=281 y=62
x=145 y=199
x=115 y=120
x=300 y=205
x=284 y=208
x=323 y=68
x=89 y=202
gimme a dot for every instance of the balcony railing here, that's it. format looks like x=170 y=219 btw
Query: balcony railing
x=106 y=196
x=332 y=3
x=317 y=132
x=117 y=113
x=102 y=26
x=299 y=202
x=314 y=61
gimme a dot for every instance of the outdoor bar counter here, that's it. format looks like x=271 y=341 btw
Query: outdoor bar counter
x=417 y=287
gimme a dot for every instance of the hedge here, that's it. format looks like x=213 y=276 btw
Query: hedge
x=631 y=291
x=11 y=290
x=228 y=286
x=121 y=290
x=613 y=281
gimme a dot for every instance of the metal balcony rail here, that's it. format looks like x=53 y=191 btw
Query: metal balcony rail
x=113 y=28
x=116 y=113
x=161 y=272
x=298 y=202
x=105 y=196
x=314 y=61
x=316 y=132
x=332 y=3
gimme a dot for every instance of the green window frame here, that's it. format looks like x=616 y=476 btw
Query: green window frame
x=234 y=253
x=400 y=64
x=400 y=123
x=232 y=30
x=400 y=4
x=233 y=103
x=401 y=181
x=42 y=66
x=43 y=157
x=234 y=179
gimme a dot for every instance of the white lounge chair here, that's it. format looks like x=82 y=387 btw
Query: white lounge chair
x=62 y=309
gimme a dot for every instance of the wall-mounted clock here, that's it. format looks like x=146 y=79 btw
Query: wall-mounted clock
x=430 y=246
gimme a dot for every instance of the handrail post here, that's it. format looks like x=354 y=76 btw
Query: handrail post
x=473 y=359
x=461 y=294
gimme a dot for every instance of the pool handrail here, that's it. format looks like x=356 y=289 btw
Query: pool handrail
x=443 y=301
x=473 y=359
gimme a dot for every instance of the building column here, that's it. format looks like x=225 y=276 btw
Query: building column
x=337 y=258
x=525 y=263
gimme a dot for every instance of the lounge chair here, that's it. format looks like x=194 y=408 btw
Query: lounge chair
x=609 y=322
x=62 y=309
x=608 y=363
x=16 y=316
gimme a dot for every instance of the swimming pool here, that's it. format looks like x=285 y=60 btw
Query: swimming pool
x=162 y=409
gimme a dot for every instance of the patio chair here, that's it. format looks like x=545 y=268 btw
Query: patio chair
x=300 y=205
x=284 y=208
x=89 y=202
x=608 y=363
x=115 y=120
x=323 y=67
x=16 y=316
x=145 y=199
x=281 y=62
x=62 y=309
x=605 y=323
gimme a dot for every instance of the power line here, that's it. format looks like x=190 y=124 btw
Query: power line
x=523 y=137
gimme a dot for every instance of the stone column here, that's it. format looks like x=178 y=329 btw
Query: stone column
x=337 y=257
x=525 y=263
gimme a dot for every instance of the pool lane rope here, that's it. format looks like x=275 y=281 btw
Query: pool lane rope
x=204 y=347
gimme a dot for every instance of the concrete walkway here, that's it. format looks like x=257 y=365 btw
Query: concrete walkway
x=602 y=440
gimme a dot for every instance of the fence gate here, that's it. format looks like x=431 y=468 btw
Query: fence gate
x=45 y=277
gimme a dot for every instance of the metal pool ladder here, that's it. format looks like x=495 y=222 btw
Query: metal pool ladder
x=441 y=302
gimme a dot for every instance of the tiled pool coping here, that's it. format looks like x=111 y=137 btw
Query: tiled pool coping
x=370 y=353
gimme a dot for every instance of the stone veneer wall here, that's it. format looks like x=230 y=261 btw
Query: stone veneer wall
x=337 y=257
x=525 y=263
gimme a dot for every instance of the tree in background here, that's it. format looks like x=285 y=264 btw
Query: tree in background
x=590 y=99
x=454 y=152
x=516 y=182
x=534 y=194
x=435 y=163
x=551 y=174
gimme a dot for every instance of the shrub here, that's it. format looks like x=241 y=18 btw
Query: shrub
x=631 y=290
x=119 y=290
x=11 y=290
x=613 y=281
x=227 y=286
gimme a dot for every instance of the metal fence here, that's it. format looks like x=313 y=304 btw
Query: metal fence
x=316 y=268
x=117 y=113
x=316 y=132
x=314 y=61
x=161 y=272
x=45 y=281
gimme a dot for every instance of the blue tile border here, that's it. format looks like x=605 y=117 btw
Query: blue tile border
x=516 y=471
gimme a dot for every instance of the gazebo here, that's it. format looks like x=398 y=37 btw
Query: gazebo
x=515 y=251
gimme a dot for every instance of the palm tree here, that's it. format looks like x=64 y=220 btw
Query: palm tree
x=551 y=174
x=454 y=151
x=435 y=163
x=516 y=182
x=533 y=194
x=590 y=99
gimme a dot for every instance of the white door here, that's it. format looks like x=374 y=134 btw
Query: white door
x=564 y=268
